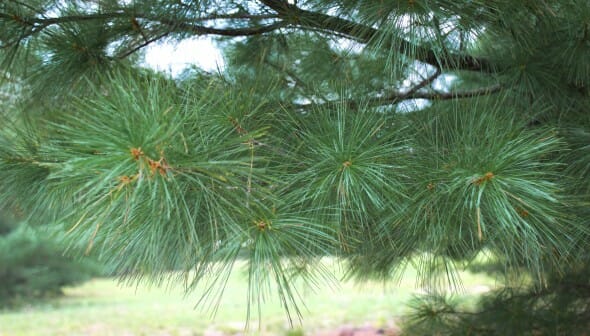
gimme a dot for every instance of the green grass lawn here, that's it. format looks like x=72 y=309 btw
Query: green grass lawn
x=106 y=307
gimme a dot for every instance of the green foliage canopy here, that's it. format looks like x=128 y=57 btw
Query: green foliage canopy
x=306 y=144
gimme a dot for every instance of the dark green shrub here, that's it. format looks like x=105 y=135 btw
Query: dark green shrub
x=559 y=306
x=32 y=265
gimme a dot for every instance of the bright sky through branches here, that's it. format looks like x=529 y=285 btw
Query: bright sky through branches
x=174 y=57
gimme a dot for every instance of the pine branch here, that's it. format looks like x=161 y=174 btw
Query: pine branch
x=142 y=45
x=238 y=16
x=363 y=34
x=45 y=21
x=398 y=97
x=35 y=25
x=445 y=95
x=202 y=30
x=291 y=14
x=426 y=81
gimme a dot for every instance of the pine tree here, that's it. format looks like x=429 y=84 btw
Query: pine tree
x=32 y=265
x=380 y=132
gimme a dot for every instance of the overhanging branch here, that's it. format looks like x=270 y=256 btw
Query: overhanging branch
x=426 y=81
x=452 y=95
x=288 y=14
x=398 y=97
x=364 y=34
x=38 y=24
x=142 y=45
x=202 y=30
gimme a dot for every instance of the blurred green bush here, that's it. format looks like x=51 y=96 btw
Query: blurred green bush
x=33 y=265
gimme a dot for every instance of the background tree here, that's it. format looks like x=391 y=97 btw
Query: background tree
x=382 y=132
x=33 y=266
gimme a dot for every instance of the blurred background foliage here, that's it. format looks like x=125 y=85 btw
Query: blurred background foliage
x=33 y=265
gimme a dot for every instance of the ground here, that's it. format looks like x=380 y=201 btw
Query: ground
x=105 y=307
